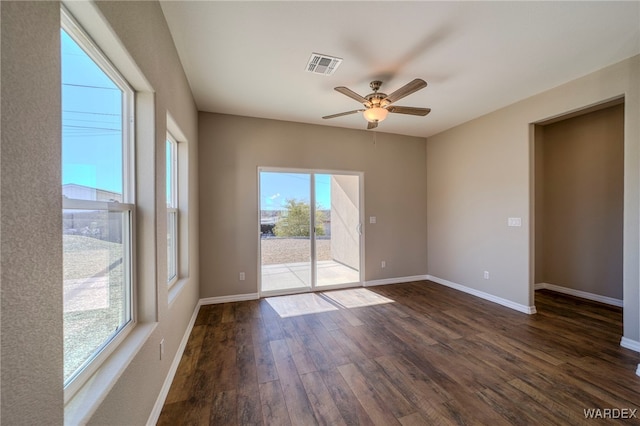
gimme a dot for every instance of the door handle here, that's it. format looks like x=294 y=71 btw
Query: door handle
x=359 y=229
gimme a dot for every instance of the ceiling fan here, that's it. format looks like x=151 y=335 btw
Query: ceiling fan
x=378 y=104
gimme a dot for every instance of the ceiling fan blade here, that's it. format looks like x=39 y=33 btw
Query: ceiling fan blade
x=409 y=110
x=405 y=90
x=353 y=95
x=340 y=114
x=372 y=125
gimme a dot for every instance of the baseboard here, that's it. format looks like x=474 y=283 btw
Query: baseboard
x=638 y=370
x=164 y=391
x=481 y=294
x=398 y=280
x=579 y=293
x=227 y=299
x=633 y=345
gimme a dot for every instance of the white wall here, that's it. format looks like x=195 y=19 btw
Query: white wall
x=480 y=173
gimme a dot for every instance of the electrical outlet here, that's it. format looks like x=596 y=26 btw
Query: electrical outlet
x=486 y=275
x=514 y=221
x=383 y=264
x=242 y=276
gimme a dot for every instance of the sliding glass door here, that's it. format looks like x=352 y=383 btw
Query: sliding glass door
x=338 y=229
x=310 y=230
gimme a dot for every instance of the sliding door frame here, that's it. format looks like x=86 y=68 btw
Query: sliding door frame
x=313 y=173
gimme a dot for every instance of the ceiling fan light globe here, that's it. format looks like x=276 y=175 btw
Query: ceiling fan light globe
x=375 y=114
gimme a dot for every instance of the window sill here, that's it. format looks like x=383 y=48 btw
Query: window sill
x=176 y=288
x=86 y=401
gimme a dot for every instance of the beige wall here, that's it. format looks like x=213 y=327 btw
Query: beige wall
x=231 y=150
x=31 y=256
x=142 y=29
x=480 y=173
x=581 y=183
x=31 y=215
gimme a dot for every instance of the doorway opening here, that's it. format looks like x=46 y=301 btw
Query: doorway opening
x=310 y=230
x=579 y=203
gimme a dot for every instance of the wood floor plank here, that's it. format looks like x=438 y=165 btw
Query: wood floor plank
x=274 y=407
x=501 y=404
x=300 y=354
x=350 y=408
x=249 y=408
x=376 y=408
x=344 y=317
x=183 y=379
x=325 y=350
x=189 y=412
x=365 y=342
x=386 y=389
x=327 y=321
x=562 y=408
x=270 y=316
x=228 y=312
x=197 y=409
x=415 y=387
x=323 y=405
x=298 y=406
x=468 y=408
x=246 y=365
x=531 y=358
x=349 y=347
x=224 y=409
x=413 y=353
x=414 y=419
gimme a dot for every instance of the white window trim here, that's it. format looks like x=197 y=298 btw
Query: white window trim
x=172 y=209
x=182 y=204
x=93 y=364
x=173 y=203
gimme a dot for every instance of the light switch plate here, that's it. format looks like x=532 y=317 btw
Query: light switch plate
x=372 y=219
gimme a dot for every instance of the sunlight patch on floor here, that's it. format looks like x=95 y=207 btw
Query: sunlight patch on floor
x=356 y=298
x=313 y=303
x=300 y=304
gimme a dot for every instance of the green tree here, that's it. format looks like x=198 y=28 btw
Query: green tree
x=295 y=221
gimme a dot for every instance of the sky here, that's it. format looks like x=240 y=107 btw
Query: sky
x=91 y=122
x=276 y=188
x=92 y=136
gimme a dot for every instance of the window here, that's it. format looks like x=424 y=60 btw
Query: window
x=172 y=209
x=98 y=204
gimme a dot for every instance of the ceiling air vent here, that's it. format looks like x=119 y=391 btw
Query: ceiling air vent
x=323 y=64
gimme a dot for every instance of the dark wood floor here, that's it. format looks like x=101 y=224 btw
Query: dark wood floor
x=411 y=354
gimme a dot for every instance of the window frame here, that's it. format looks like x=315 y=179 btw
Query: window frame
x=173 y=213
x=80 y=377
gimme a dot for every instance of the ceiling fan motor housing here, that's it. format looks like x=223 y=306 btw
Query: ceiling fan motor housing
x=375 y=98
x=377 y=104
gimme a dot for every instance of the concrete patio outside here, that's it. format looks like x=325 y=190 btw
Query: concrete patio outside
x=287 y=276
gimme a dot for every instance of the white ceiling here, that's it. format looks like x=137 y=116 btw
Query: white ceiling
x=249 y=58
